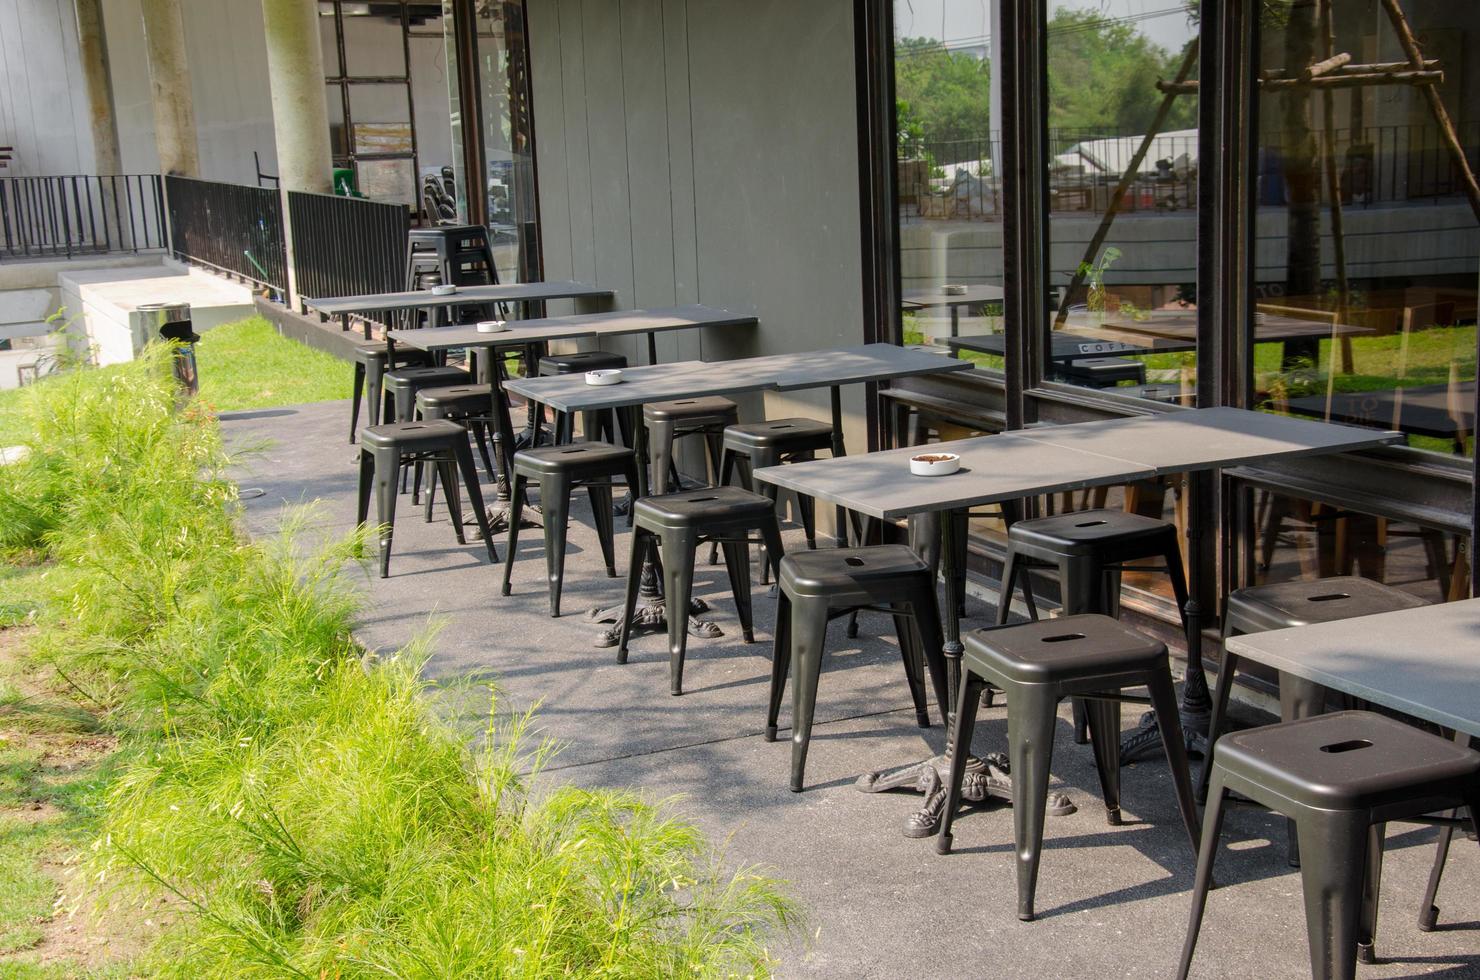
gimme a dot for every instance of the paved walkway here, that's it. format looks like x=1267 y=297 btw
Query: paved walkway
x=1112 y=900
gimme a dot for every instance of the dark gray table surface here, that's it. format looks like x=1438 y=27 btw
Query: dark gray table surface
x=933 y=296
x=519 y=292
x=580 y=326
x=1424 y=662
x=1068 y=347
x=1441 y=410
x=776 y=372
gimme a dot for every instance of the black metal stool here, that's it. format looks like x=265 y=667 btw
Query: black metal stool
x=557 y=470
x=754 y=445
x=667 y=422
x=1341 y=777
x=402 y=384
x=671 y=526
x=468 y=405
x=1284 y=605
x=818 y=586
x=370 y=368
x=1089 y=549
x=594 y=425
x=1103 y=372
x=1039 y=664
x=383 y=450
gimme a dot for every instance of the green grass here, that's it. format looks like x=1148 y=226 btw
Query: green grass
x=307 y=810
x=246 y=364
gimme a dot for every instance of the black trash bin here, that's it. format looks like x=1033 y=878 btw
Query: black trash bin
x=172 y=322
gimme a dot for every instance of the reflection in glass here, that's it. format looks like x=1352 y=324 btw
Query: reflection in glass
x=1122 y=117
x=1369 y=134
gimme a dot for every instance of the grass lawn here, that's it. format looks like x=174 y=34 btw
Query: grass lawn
x=246 y=364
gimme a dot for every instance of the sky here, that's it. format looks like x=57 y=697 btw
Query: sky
x=968 y=19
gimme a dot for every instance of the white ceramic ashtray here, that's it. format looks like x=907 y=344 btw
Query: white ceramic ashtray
x=934 y=464
x=604 y=376
x=492 y=326
x=952 y=289
x=446 y=289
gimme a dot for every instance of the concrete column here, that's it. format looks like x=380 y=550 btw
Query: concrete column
x=300 y=110
x=169 y=88
x=92 y=46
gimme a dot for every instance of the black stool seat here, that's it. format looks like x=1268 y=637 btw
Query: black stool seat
x=707 y=506
x=402 y=384
x=371 y=361
x=412 y=435
x=707 y=410
x=580 y=362
x=558 y=470
x=1286 y=604
x=1064 y=649
x=1038 y=664
x=471 y=399
x=1089 y=532
x=1104 y=372
x=1339 y=778
x=674 y=525
x=782 y=435
x=817 y=586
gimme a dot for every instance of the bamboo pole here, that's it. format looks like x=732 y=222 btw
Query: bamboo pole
x=1127 y=177
x=1436 y=104
x=1333 y=81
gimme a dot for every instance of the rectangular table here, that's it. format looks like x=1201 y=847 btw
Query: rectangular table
x=345 y=307
x=1070 y=347
x=1027 y=462
x=1443 y=411
x=930 y=297
x=1182 y=326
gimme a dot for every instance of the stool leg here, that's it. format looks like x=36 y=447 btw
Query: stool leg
x=807 y=511
x=660 y=448
x=926 y=615
x=642 y=543
x=1212 y=829
x=1103 y=720
x=677 y=548
x=727 y=468
x=960 y=747
x=1172 y=555
x=914 y=671
x=1030 y=725
x=516 y=513
x=555 y=504
x=454 y=495
x=387 y=463
x=600 y=495
x=1371 y=886
x=771 y=535
x=1428 y=911
x=1082 y=588
x=1299 y=698
x=1221 y=694
x=1333 y=848
x=367 y=481
x=480 y=433
x=354 y=404
x=737 y=563
x=1010 y=571
x=808 y=635
x=780 y=662
x=432 y=471
x=464 y=457
x=1169 y=722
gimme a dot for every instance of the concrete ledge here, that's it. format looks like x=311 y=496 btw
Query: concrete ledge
x=306 y=328
x=103 y=299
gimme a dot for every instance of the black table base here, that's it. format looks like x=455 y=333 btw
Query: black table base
x=988 y=778
x=650 y=614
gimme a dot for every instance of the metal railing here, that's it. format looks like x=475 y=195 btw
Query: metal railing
x=345 y=246
x=81 y=214
x=235 y=229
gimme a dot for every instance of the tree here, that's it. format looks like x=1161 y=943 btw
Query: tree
x=1102 y=76
x=948 y=93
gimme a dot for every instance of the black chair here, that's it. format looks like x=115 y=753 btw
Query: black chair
x=1089 y=549
x=754 y=445
x=667 y=422
x=1092 y=657
x=669 y=528
x=371 y=361
x=557 y=470
x=383 y=451
x=1340 y=777
x=594 y=425
x=819 y=586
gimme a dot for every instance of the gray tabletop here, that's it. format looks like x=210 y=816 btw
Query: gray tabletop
x=777 y=372
x=993 y=468
x=518 y=292
x=1069 y=347
x=932 y=296
x=1205 y=438
x=1182 y=325
x=1444 y=410
x=1421 y=661
x=581 y=325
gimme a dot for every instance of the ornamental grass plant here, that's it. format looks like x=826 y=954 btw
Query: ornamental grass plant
x=307 y=809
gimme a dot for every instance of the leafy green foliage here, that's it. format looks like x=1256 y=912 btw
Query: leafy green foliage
x=947 y=93
x=1102 y=76
x=307 y=809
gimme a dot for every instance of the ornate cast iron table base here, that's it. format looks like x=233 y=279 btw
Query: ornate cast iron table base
x=986 y=778
x=648 y=616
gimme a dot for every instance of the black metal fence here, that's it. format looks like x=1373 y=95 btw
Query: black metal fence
x=81 y=214
x=232 y=228
x=345 y=246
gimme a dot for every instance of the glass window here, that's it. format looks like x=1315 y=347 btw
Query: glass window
x=949 y=194
x=1122 y=180
x=1368 y=247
